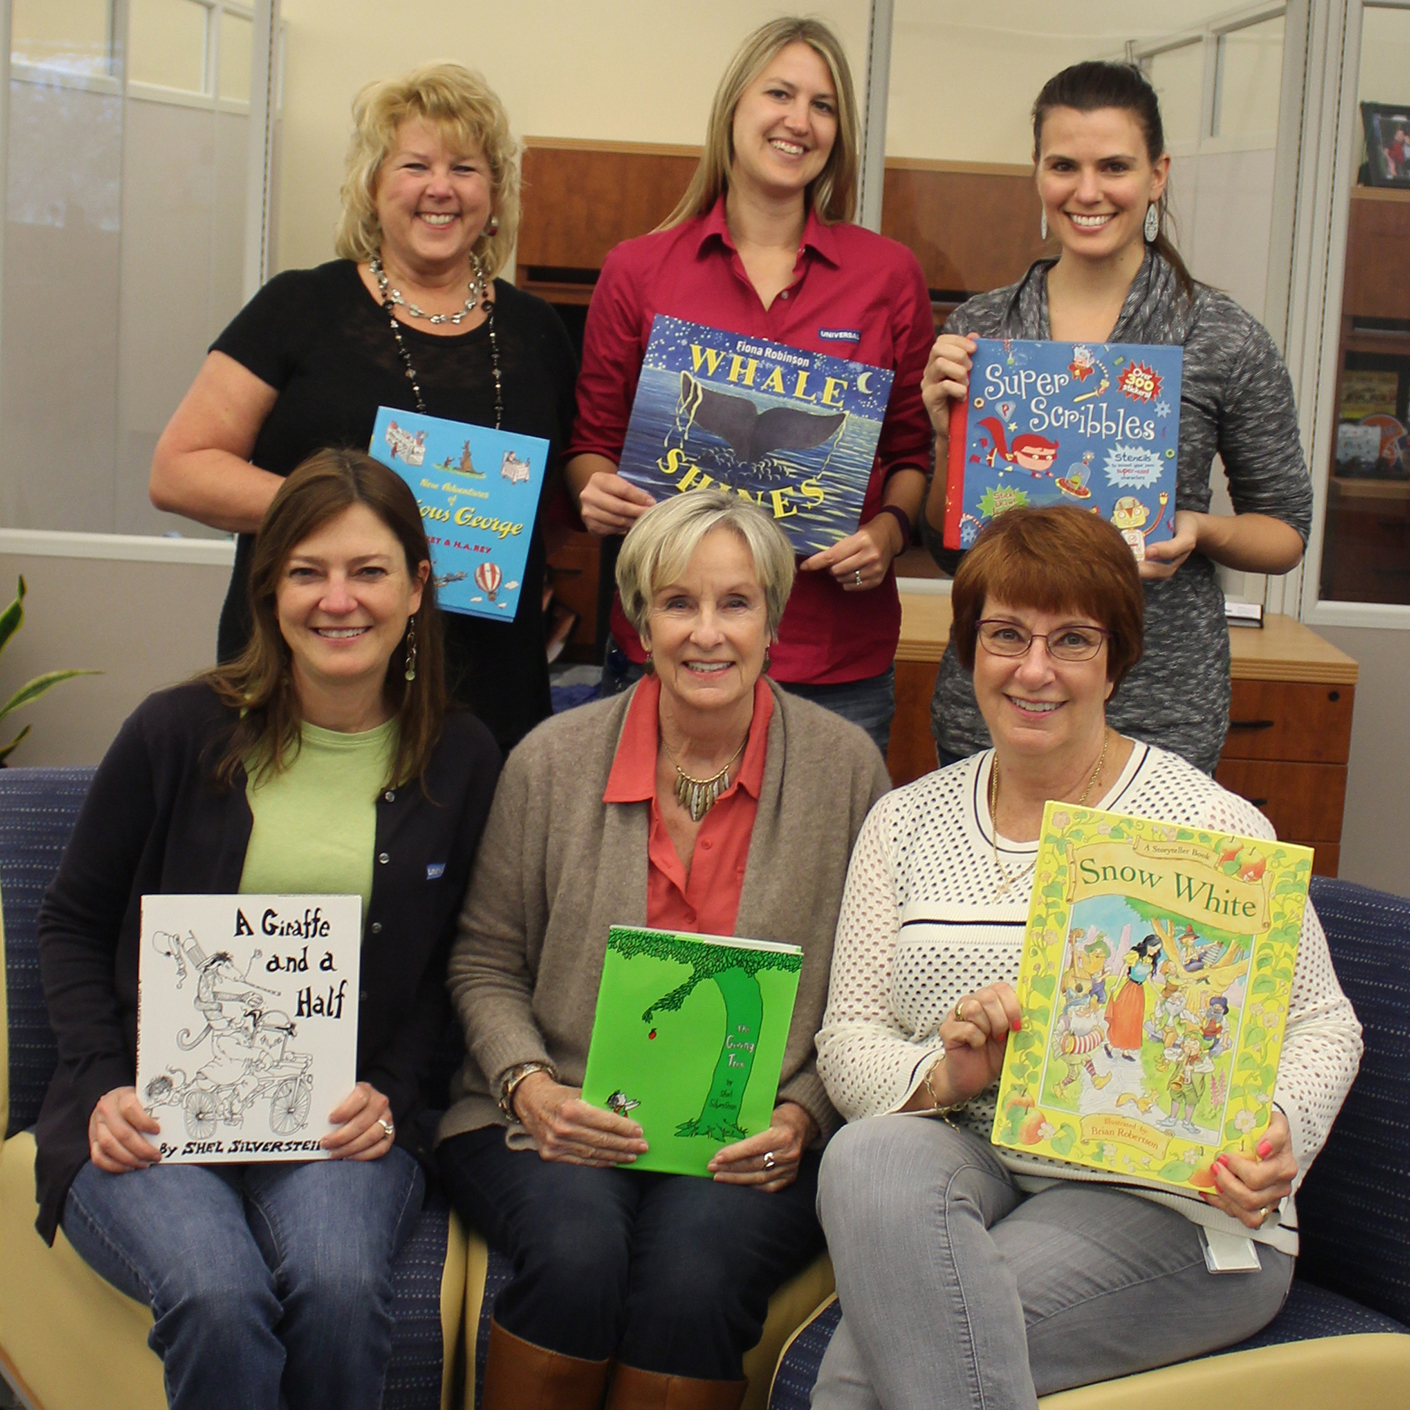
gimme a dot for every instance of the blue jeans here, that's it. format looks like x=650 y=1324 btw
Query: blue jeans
x=870 y=702
x=959 y=1290
x=668 y=1273
x=265 y=1280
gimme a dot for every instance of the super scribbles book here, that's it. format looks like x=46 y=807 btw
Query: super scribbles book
x=794 y=431
x=1156 y=972
x=688 y=1039
x=479 y=495
x=246 y=1022
x=1093 y=425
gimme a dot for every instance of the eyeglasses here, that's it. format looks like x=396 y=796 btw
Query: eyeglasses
x=1001 y=638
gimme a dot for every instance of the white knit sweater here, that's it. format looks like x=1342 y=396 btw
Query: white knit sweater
x=919 y=930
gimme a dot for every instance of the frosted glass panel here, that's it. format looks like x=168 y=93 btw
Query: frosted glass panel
x=1177 y=76
x=166 y=42
x=1250 y=76
x=68 y=34
x=236 y=37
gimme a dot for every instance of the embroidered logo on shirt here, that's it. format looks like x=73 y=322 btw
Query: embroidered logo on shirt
x=840 y=335
x=435 y=870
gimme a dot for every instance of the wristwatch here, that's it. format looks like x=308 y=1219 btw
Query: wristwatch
x=514 y=1077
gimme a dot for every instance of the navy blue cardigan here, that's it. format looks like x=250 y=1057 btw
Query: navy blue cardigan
x=156 y=820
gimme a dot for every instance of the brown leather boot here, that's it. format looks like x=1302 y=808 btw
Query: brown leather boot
x=650 y=1390
x=522 y=1376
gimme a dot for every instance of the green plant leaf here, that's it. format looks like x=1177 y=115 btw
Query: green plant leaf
x=32 y=690
x=12 y=616
x=13 y=744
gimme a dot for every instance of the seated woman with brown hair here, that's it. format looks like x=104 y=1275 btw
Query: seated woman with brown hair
x=321 y=760
x=704 y=799
x=971 y=1275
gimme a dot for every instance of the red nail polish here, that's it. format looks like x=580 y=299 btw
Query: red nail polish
x=1265 y=1149
x=1016 y=1024
x=1223 y=1160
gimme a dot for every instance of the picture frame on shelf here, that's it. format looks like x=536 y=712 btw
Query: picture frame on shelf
x=1387 y=131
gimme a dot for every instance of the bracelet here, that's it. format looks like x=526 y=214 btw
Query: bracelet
x=514 y=1077
x=935 y=1108
x=902 y=518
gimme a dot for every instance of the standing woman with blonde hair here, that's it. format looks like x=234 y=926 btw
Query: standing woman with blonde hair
x=409 y=315
x=762 y=244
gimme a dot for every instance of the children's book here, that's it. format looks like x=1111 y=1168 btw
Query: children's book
x=1157 y=966
x=1092 y=425
x=688 y=1039
x=246 y=1023
x=793 y=431
x=479 y=495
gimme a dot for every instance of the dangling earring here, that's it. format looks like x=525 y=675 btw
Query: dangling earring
x=411 y=649
x=649 y=666
x=1043 y=224
x=492 y=226
x=768 y=659
x=1152 y=225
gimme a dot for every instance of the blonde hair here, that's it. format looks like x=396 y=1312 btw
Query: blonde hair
x=659 y=545
x=833 y=193
x=462 y=107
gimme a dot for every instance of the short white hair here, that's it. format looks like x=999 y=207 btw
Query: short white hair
x=660 y=543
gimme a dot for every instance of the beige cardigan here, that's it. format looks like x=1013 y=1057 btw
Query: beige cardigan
x=557 y=866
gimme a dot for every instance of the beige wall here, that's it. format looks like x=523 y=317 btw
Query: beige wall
x=144 y=625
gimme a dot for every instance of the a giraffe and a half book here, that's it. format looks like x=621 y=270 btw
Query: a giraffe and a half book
x=688 y=1039
x=1156 y=972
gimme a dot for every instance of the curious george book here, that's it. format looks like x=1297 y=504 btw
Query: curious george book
x=1156 y=971
x=1092 y=425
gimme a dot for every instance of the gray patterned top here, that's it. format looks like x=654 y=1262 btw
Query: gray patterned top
x=1235 y=398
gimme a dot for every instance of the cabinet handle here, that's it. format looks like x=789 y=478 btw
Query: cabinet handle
x=1252 y=724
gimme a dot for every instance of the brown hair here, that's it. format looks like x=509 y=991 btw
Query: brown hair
x=1053 y=559
x=259 y=682
x=833 y=192
x=1086 y=87
x=463 y=108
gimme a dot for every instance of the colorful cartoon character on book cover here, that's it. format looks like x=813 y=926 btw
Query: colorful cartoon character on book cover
x=793 y=431
x=1092 y=425
x=1156 y=972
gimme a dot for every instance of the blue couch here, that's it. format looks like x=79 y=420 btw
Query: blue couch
x=1343 y=1335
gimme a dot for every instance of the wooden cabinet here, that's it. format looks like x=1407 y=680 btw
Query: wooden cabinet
x=1289 y=720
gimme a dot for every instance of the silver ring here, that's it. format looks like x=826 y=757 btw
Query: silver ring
x=857 y=576
x=388 y=1129
x=769 y=1161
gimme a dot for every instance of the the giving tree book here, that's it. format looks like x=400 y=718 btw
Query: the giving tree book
x=478 y=489
x=1092 y=425
x=793 y=431
x=1157 y=966
x=688 y=1039
x=246 y=1022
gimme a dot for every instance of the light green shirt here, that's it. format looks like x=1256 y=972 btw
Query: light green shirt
x=315 y=822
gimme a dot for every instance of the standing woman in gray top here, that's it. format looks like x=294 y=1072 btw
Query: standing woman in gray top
x=1102 y=169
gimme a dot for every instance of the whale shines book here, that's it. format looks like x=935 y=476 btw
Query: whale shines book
x=1156 y=972
x=478 y=489
x=793 y=431
x=1092 y=425
x=688 y=1039
x=246 y=1023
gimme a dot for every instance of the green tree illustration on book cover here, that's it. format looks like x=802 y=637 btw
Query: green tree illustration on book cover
x=688 y=1039
x=1156 y=972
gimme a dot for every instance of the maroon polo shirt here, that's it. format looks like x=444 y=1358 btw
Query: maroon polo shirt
x=854 y=294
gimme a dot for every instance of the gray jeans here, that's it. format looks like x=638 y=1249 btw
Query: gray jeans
x=958 y=1290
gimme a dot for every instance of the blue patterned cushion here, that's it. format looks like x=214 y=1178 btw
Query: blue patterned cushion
x=798 y=1367
x=37 y=812
x=1354 y=1206
x=498 y=1271
x=414 y=1374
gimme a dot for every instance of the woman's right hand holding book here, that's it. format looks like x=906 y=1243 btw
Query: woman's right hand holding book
x=946 y=377
x=566 y=1128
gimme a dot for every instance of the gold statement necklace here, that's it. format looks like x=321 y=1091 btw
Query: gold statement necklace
x=698 y=795
x=1009 y=882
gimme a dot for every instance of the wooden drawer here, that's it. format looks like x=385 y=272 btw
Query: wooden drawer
x=1300 y=800
x=1286 y=720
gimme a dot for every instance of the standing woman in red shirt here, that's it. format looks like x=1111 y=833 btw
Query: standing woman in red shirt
x=762 y=245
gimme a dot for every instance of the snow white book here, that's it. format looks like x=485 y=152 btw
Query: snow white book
x=1091 y=425
x=793 y=431
x=1156 y=972
x=479 y=495
x=688 y=1039
x=246 y=1023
